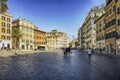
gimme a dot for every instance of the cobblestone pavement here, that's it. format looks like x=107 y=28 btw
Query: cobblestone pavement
x=56 y=66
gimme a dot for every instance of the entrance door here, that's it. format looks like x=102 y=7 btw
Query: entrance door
x=23 y=46
x=31 y=47
x=27 y=46
x=111 y=49
x=8 y=46
x=107 y=48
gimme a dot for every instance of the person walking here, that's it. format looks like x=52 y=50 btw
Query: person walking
x=93 y=51
x=64 y=51
x=69 y=50
x=89 y=52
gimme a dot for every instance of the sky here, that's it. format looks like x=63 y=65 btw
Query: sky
x=63 y=15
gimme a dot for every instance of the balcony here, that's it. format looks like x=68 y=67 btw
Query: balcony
x=118 y=37
x=110 y=35
x=108 y=2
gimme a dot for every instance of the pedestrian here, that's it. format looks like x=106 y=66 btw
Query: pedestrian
x=89 y=52
x=114 y=51
x=93 y=51
x=66 y=51
x=69 y=50
x=63 y=50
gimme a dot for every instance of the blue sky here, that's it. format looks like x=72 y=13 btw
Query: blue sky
x=63 y=15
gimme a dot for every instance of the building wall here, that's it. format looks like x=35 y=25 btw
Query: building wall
x=5 y=30
x=79 y=38
x=100 y=32
x=112 y=28
x=83 y=36
x=56 y=40
x=89 y=32
x=118 y=28
x=27 y=30
x=39 y=39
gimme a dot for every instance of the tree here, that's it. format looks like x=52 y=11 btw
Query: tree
x=3 y=6
x=16 y=35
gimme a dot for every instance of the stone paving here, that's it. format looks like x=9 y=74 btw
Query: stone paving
x=56 y=66
x=4 y=53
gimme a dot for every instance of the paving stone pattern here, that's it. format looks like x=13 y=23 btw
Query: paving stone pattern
x=56 y=66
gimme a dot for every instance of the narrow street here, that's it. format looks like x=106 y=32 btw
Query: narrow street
x=56 y=66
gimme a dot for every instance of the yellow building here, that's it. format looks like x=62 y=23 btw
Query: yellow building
x=100 y=32
x=88 y=27
x=112 y=27
x=79 y=38
x=5 y=30
x=39 y=39
x=83 y=35
x=56 y=40
x=27 y=30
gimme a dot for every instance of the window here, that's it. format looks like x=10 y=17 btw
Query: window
x=118 y=22
x=109 y=1
x=8 y=37
x=26 y=35
x=95 y=15
x=103 y=37
x=110 y=35
x=27 y=30
x=100 y=30
x=8 y=19
x=3 y=37
x=23 y=40
x=8 y=25
x=106 y=14
x=27 y=41
x=3 y=24
x=30 y=41
x=23 y=28
x=114 y=8
x=110 y=11
x=100 y=24
x=118 y=35
x=110 y=23
x=30 y=35
x=30 y=30
x=3 y=30
x=3 y=18
x=8 y=31
x=23 y=46
x=118 y=10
